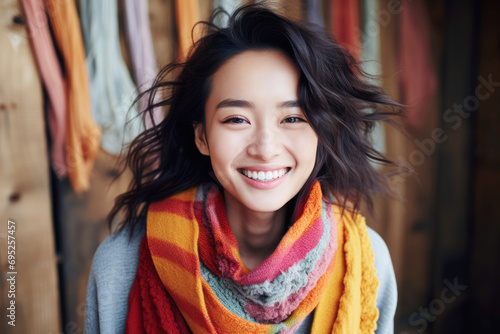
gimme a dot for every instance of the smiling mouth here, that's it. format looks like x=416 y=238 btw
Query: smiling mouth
x=264 y=176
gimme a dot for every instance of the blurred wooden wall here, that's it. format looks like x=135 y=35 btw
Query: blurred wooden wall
x=25 y=195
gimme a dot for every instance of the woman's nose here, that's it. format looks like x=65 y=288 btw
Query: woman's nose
x=265 y=144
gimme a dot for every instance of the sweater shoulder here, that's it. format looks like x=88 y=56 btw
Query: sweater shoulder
x=112 y=274
x=380 y=250
x=118 y=248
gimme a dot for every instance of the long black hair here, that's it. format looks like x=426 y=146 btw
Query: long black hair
x=333 y=94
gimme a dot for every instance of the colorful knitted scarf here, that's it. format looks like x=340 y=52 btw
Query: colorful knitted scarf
x=191 y=278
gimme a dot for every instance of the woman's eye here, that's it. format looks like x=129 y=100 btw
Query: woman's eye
x=235 y=120
x=293 y=119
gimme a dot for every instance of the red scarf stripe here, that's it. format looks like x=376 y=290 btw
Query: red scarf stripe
x=224 y=231
x=172 y=205
x=206 y=242
x=135 y=322
x=152 y=320
x=172 y=253
x=151 y=308
x=206 y=239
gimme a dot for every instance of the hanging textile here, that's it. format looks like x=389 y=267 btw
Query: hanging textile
x=52 y=77
x=112 y=88
x=229 y=6
x=187 y=13
x=417 y=78
x=345 y=25
x=371 y=64
x=82 y=134
x=141 y=50
x=371 y=40
x=314 y=12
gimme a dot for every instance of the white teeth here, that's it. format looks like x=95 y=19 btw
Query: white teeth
x=264 y=176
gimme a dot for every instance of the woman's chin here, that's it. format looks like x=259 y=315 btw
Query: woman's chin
x=263 y=205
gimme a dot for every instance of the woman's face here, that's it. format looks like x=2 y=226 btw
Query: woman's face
x=261 y=147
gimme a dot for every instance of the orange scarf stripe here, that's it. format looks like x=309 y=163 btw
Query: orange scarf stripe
x=225 y=319
x=162 y=232
x=181 y=275
x=301 y=226
x=195 y=317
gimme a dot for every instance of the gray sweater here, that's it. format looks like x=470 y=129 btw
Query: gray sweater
x=115 y=265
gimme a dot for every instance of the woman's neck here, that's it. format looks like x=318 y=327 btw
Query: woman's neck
x=257 y=233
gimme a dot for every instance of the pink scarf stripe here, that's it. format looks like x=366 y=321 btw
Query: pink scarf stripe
x=282 y=309
x=227 y=245
x=283 y=258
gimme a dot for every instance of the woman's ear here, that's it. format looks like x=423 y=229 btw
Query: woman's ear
x=200 y=138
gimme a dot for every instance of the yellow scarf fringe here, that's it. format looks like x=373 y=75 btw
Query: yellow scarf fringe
x=352 y=289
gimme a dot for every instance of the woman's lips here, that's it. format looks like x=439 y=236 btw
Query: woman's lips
x=262 y=182
x=264 y=175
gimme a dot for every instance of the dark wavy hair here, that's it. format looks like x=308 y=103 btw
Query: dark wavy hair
x=337 y=100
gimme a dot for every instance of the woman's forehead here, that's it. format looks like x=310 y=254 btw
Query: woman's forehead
x=255 y=76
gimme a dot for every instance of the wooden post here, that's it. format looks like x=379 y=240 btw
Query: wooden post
x=485 y=246
x=24 y=185
x=453 y=209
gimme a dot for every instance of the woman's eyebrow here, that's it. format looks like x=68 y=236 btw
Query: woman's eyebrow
x=246 y=104
x=288 y=104
x=234 y=103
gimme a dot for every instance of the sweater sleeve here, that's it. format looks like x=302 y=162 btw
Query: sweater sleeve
x=387 y=293
x=111 y=277
x=91 y=316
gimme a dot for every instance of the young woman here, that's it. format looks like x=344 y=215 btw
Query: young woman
x=243 y=214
